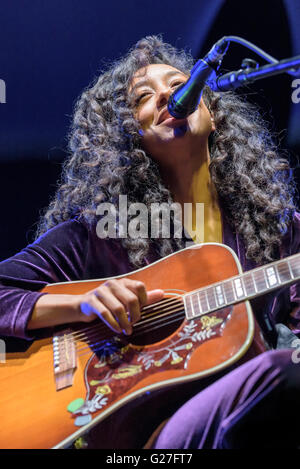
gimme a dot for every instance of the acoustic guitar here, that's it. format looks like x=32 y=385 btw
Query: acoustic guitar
x=66 y=384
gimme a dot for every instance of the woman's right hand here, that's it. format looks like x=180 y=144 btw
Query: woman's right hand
x=117 y=302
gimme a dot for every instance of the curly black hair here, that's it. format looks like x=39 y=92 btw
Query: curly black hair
x=253 y=181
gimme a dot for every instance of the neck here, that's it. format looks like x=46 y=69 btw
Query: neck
x=183 y=175
x=190 y=183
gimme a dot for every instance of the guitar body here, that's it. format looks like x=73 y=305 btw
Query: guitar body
x=113 y=373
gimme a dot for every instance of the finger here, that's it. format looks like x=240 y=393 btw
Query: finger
x=127 y=291
x=129 y=299
x=154 y=295
x=93 y=305
x=138 y=288
x=117 y=308
x=145 y=297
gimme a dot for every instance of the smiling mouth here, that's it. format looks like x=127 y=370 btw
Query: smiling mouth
x=172 y=122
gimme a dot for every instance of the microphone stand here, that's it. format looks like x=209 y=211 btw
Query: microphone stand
x=251 y=72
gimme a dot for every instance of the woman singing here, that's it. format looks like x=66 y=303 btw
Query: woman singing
x=124 y=141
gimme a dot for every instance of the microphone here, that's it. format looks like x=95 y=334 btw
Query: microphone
x=185 y=99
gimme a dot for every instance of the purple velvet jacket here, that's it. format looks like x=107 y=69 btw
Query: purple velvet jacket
x=71 y=251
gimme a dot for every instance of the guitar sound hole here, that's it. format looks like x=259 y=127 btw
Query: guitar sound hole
x=154 y=330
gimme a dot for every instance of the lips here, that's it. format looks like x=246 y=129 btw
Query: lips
x=163 y=116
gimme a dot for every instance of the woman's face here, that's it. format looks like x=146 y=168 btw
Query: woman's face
x=161 y=134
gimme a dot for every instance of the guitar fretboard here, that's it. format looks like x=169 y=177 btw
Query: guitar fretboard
x=242 y=287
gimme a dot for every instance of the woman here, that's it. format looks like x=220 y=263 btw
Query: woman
x=123 y=141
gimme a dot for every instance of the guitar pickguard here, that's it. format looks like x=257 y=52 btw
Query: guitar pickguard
x=116 y=367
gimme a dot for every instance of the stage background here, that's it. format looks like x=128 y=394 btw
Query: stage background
x=50 y=51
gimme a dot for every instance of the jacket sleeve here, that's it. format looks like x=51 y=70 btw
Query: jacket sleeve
x=59 y=255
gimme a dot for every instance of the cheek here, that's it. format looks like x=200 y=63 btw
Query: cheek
x=145 y=118
x=152 y=142
x=145 y=124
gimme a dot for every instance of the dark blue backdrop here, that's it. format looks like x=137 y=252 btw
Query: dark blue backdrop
x=49 y=51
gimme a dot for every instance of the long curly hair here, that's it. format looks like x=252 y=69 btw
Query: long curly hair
x=106 y=159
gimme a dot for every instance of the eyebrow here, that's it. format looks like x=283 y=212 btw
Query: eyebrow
x=145 y=81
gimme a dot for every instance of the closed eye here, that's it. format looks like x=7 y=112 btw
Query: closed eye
x=142 y=96
x=177 y=83
x=139 y=98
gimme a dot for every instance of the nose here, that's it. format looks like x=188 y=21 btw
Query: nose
x=163 y=96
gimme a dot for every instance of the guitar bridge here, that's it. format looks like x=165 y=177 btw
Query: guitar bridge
x=64 y=359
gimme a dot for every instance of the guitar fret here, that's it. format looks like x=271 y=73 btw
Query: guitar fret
x=229 y=292
x=206 y=299
x=211 y=298
x=265 y=278
x=242 y=278
x=271 y=275
x=249 y=284
x=291 y=272
x=192 y=307
x=202 y=301
x=224 y=293
x=283 y=272
x=254 y=283
x=277 y=273
x=199 y=304
x=188 y=309
x=295 y=267
x=242 y=287
x=196 y=309
x=215 y=296
x=259 y=281
x=220 y=295
x=238 y=287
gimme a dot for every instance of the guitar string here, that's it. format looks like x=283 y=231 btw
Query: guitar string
x=153 y=307
x=102 y=327
x=175 y=314
x=141 y=324
x=175 y=318
x=246 y=280
x=139 y=327
x=145 y=318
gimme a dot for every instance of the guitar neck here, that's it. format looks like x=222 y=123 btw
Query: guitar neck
x=242 y=287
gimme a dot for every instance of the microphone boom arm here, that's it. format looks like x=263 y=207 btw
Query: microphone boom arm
x=235 y=79
x=186 y=97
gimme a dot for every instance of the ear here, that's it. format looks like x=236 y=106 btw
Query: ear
x=213 y=125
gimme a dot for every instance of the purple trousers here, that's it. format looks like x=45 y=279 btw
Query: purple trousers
x=255 y=405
